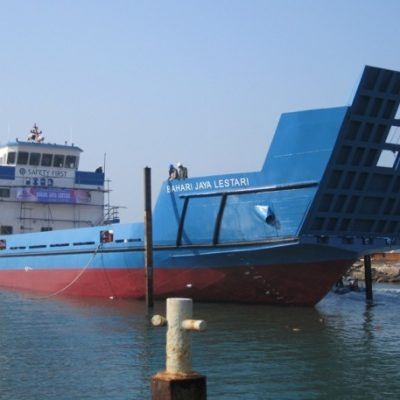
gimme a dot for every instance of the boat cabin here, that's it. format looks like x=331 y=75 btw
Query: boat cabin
x=41 y=188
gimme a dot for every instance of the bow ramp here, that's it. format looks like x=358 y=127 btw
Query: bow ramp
x=331 y=177
x=357 y=201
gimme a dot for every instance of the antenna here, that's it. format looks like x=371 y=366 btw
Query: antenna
x=108 y=182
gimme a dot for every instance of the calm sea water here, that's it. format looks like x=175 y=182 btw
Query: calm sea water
x=80 y=349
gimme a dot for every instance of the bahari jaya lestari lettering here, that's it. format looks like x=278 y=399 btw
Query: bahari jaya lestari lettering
x=208 y=184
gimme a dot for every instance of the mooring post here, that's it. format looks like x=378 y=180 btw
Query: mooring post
x=368 y=278
x=178 y=381
x=148 y=238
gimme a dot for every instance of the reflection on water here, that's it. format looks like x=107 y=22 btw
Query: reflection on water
x=90 y=349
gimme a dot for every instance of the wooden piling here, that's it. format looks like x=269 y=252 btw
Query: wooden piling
x=148 y=238
x=368 y=279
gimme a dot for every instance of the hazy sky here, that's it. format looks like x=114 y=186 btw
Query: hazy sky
x=151 y=83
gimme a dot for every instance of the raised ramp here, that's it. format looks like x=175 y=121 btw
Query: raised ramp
x=359 y=192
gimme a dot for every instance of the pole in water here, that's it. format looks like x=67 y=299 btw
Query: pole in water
x=179 y=381
x=368 y=279
x=148 y=238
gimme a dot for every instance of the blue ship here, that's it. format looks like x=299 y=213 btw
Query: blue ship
x=326 y=195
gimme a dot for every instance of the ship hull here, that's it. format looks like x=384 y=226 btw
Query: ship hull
x=283 y=284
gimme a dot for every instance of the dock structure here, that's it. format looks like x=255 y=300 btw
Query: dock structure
x=179 y=381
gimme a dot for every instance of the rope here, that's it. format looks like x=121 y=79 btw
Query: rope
x=74 y=280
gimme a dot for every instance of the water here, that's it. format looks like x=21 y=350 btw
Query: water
x=86 y=349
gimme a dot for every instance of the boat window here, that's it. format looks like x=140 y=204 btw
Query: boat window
x=70 y=161
x=46 y=228
x=46 y=160
x=6 y=230
x=4 y=192
x=127 y=240
x=106 y=236
x=22 y=157
x=3 y=244
x=34 y=159
x=11 y=157
x=58 y=160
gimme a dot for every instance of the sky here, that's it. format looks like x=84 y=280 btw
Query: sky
x=149 y=83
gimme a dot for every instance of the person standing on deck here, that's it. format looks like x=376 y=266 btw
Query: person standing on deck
x=182 y=171
x=173 y=173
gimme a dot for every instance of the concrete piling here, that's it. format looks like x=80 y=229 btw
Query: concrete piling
x=178 y=381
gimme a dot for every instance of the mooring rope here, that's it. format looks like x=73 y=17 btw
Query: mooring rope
x=74 y=280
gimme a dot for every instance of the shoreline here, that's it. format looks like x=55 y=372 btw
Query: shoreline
x=385 y=268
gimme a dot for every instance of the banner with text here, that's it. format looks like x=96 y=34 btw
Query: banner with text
x=53 y=195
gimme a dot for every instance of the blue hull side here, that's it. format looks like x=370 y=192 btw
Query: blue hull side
x=279 y=273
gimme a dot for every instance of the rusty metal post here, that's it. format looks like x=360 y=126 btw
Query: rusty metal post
x=148 y=238
x=368 y=279
x=178 y=381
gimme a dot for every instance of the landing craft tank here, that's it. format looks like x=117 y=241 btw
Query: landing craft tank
x=326 y=195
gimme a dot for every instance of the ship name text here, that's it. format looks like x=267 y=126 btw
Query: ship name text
x=208 y=184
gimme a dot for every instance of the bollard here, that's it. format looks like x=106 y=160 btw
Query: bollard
x=178 y=381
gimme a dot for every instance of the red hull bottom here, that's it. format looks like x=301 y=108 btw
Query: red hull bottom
x=295 y=284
